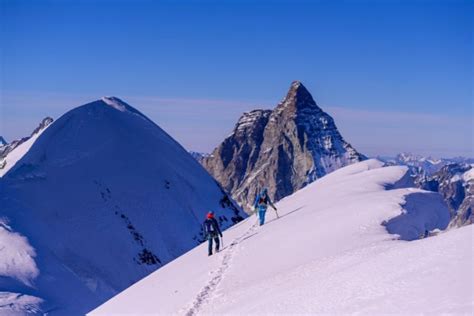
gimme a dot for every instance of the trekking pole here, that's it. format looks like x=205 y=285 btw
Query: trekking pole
x=278 y=216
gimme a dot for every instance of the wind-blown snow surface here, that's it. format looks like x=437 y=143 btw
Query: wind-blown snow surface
x=103 y=198
x=327 y=253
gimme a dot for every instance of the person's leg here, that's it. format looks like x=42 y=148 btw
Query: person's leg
x=210 y=246
x=261 y=214
x=218 y=244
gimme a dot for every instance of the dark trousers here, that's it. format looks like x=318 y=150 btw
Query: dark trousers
x=216 y=239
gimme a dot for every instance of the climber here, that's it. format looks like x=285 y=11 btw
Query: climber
x=261 y=204
x=212 y=231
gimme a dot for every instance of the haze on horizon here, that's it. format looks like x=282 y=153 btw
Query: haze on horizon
x=396 y=76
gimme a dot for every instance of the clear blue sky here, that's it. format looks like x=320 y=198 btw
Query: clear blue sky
x=396 y=75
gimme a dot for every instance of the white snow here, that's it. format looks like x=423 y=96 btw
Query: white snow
x=16 y=304
x=16 y=256
x=16 y=154
x=465 y=177
x=87 y=216
x=115 y=103
x=327 y=254
x=469 y=175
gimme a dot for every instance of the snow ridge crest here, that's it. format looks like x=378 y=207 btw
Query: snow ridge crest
x=116 y=103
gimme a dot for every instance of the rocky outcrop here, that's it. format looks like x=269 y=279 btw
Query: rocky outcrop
x=455 y=182
x=282 y=149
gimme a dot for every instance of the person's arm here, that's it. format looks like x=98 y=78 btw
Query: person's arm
x=271 y=203
x=216 y=226
x=204 y=229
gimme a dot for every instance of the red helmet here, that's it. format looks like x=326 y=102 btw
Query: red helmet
x=210 y=215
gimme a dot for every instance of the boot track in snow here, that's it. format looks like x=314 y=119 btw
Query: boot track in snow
x=204 y=296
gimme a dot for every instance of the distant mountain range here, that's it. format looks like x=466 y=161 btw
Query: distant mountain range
x=424 y=165
x=453 y=178
x=199 y=156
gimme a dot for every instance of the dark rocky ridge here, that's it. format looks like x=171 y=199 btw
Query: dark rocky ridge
x=456 y=189
x=6 y=148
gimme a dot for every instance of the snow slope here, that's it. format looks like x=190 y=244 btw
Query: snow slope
x=103 y=198
x=327 y=254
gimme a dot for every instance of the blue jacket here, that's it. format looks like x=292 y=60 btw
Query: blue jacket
x=262 y=201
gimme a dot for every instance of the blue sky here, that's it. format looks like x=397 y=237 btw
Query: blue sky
x=396 y=75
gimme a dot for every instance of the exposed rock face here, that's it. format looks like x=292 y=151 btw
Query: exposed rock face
x=455 y=182
x=12 y=152
x=283 y=150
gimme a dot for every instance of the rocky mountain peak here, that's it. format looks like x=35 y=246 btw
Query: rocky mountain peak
x=42 y=125
x=282 y=149
x=249 y=120
x=297 y=98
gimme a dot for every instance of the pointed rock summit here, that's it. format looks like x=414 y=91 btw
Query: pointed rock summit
x=298 y=97
x=282 y=149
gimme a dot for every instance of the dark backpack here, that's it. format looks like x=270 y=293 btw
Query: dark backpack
x=263 y=200
x=210 y=227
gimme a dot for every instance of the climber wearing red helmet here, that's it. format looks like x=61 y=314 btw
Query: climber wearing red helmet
x=212 y=231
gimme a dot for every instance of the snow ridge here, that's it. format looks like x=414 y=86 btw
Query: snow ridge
x=206 y=294
x=116 y=103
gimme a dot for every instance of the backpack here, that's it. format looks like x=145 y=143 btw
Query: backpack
x=209 y=227
x=263 y=200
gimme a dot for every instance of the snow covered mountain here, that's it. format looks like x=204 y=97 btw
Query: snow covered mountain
x=330 y=253
x=455 y=182
x=198 y=155
x=447 y=176
x=282 y=149
x=12 y=152
x=424 y=166
x=82 y=219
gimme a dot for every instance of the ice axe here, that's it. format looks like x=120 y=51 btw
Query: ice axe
x=276 y=211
